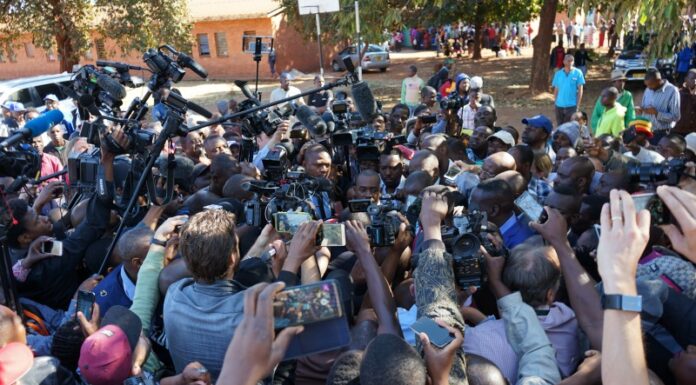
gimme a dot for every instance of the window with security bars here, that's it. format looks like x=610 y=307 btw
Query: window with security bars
x=221 y=44
x=203 y=44
x=101 y=49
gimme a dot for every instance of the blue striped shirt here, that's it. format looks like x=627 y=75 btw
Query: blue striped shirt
x=666 y=101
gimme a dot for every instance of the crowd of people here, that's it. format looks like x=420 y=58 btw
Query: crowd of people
x=593 y=288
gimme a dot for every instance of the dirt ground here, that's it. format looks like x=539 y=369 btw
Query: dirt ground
x=504 y=78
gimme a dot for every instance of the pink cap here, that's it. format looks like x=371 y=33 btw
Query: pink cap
x=106 y=357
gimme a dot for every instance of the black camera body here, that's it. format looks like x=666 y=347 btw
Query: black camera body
x=83 y=170
x=383 y=227
x=453 y=103
x=463 y=241
x=263 y=121
x=650 y=173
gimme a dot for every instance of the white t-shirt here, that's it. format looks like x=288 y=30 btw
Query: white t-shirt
x=280 y=93
x=646 y=156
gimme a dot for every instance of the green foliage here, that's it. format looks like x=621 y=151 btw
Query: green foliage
x=662 y=17
x=375 y=17
x=133 y=24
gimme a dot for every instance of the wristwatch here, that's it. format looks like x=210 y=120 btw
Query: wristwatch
x=157 y=242
x=622 y=302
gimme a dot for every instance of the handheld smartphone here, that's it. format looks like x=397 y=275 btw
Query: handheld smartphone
x=331 y=234
x=451 y=175
x=659 y=212
x=307 y=304
x=288 y=222
x=428 y=119
x=531 y=208
x=52 y=247
x=438 y=335
x=85 y=302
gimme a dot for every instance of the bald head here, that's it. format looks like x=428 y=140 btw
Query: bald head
x=234 y=188
x=11 y=328
x=425 y=160
x=515 y=180
x=575 y=173
x=416 y=182
x=496 y=163
x=437 y=143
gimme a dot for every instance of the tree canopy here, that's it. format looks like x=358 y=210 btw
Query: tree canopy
x=662 y=18
x=68 y=25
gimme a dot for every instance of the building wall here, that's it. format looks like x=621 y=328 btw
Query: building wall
x=292 y=52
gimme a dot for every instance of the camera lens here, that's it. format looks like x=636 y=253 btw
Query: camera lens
x=466 y=245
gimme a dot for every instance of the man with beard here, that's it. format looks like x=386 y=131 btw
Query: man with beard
x=478 y=144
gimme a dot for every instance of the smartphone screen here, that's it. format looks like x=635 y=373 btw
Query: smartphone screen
x=332 y=234
x=85 y=300
x=307 y=304
x=659 y=213
x=438 y=335
x=288 y=222
x=531 y=208
x=52 y=247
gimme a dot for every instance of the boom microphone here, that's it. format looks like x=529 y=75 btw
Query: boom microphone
x=179 y=100
x=111 y=86
x=34 y=128
x=188 y=62
x=313 y=122
x=119 y=66
x=364 y=100
x=243 y=86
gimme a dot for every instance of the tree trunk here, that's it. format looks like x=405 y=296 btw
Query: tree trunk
x=539 y=81
x=478 y=40
x=66 y=53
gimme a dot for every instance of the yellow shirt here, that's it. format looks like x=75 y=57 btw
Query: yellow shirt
x=612 y=121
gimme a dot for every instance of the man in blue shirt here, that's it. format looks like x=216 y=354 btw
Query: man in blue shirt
x=567 y=90
x=495 y=197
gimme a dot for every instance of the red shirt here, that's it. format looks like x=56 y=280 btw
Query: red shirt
x=49 y=165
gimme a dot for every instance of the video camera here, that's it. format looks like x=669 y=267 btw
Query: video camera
x=292 y=193
x=383 y=227
x=452 y=103
x=651 y=173
x=463 y=241
x=370 y=144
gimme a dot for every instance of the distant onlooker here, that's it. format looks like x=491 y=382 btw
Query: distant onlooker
x=320 y=100
x=612 y=120
x=687 y=100
x=285 y=90
x=581 y=58
x=625 y=98
x=567 y=90
x=661 y=104
x=411 y=88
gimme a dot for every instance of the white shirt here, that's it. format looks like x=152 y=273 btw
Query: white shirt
x=466 y=115
x=646 y=156
x=280 y=93
x=128 y=285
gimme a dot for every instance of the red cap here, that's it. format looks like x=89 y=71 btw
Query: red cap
x=106 y=357
x=405 y=151
x=15 y=361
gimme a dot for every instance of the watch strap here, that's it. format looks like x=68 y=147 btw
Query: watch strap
x=622 y=302
x=158 y=242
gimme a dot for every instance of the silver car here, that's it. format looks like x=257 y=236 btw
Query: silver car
x=375 y=58
x=30 y=91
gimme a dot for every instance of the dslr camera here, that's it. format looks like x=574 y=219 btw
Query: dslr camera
x=383 y=227
x=650 y=173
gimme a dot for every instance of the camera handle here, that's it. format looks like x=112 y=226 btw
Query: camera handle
x=171 y=129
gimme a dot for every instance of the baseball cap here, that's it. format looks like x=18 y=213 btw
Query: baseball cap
x=51 y=97
x=617 y=75
x=14 y=106
x=691 y=142
x=539 y=121
x=106 y=355
x=642 y=125
x=504 y=137
x=15 y=361
x=476 y=82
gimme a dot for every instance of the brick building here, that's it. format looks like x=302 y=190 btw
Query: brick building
x=218 y=27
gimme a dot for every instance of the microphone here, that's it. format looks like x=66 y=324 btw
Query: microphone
x=111 y=86
x=34 y=128
x=243 y=86
x=118 y=66
x=86 y=101
x=188 y=62
x=328 y=117
x=179 y=101
x=364 y=100
x=314 y=123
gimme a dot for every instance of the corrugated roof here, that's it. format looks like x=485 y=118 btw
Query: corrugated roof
x=201 y=10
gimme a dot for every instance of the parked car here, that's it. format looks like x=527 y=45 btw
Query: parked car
x=31 y=91
x=634 y=63
x=376 y=57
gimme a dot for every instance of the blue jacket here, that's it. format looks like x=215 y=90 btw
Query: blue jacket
x=515 y=231
x=109 y=292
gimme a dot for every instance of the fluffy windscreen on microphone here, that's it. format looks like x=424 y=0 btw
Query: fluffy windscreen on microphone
x=364 y=101
x=314 y=123
x=44 y=122
x=111 y=86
